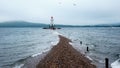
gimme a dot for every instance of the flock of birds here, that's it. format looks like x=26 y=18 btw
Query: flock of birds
x=74 y=4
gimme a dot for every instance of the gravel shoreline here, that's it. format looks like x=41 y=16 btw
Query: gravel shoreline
x=63 y=55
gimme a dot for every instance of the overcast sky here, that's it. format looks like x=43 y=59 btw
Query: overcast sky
x=77 y=12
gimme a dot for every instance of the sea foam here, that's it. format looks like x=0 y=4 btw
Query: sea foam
x=18 y=66
x=116 y=64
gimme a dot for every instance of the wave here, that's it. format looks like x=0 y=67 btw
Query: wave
x=18 y=66
x=20 y=63
x=34 y=55
x=35 y=58
x=116 y=64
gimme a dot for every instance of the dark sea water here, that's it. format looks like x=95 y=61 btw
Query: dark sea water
x=103 y=42
x=18 y=44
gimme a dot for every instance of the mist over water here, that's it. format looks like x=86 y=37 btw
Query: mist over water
x=20 y=43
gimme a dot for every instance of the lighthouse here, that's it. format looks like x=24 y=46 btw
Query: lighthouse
x=52 y=26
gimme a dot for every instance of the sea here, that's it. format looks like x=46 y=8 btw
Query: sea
x=19 y=44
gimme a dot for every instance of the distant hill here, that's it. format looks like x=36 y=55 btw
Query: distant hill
x=30 y=24
x=21 y=24
x=107 y=25
x=99 y=25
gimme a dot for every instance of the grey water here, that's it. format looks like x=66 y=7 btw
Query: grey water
x=103 y=41
x=19 y=43
x=16 y=44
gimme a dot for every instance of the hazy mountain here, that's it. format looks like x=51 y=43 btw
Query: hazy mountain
x=21 y=24
x=98 y=25
x=30 y=24
x=108 y=25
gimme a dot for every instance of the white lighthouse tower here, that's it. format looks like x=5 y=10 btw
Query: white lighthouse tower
x=51 y=26
x=51 y=23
